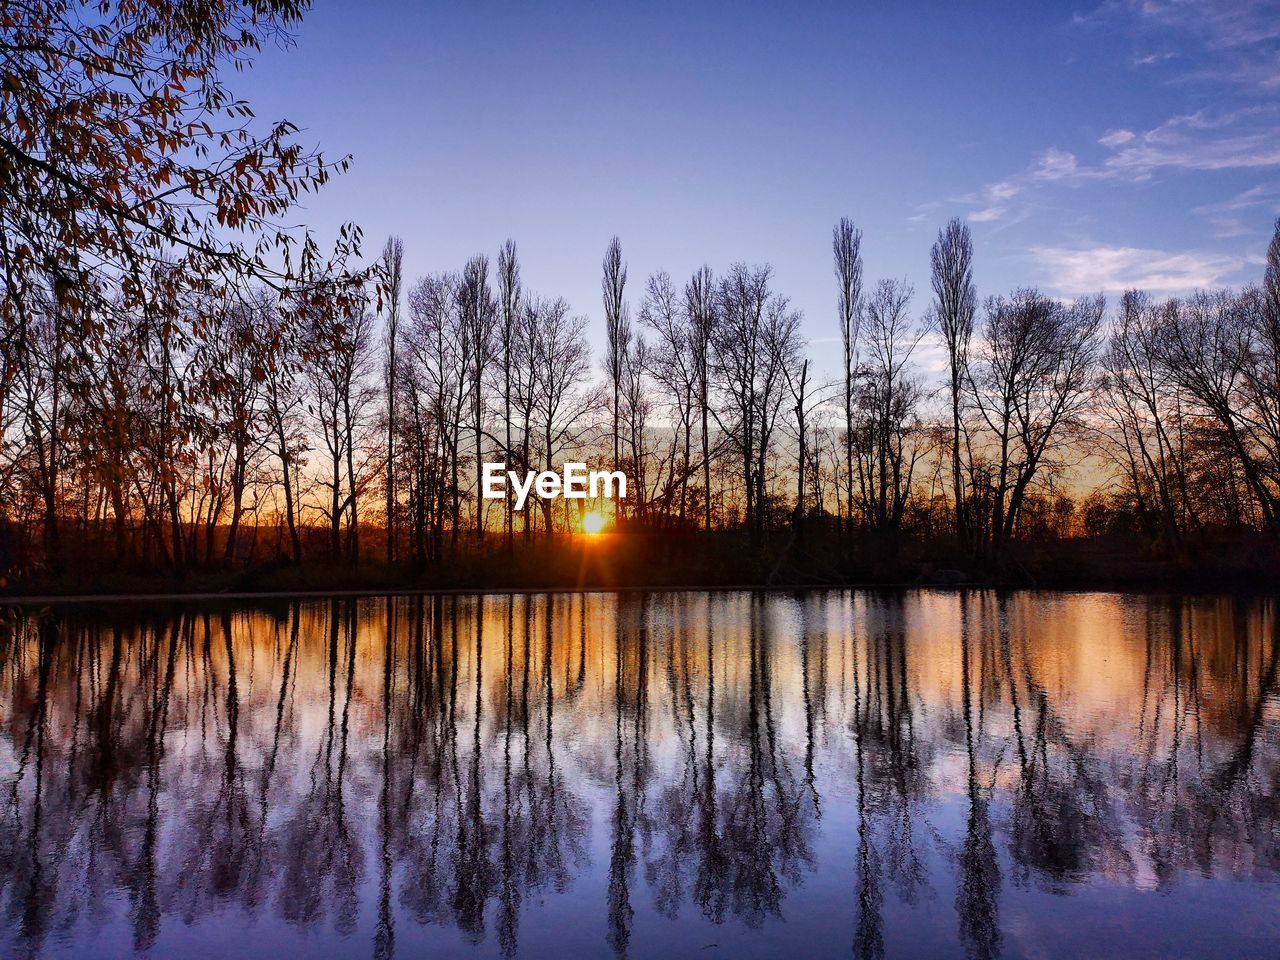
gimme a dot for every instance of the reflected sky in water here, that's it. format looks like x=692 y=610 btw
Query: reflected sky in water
x=919 y=774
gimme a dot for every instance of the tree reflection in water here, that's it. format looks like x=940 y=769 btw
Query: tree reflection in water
x=511 y=774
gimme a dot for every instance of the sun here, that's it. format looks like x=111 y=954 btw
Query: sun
x=592 y=523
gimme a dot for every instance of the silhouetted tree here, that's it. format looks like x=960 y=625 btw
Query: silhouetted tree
x=755 y=336
x=393 y=291
x=846 y=246
x=888 y=437
x=478 y=317
x=617 y=329
x=509 y=306
x=700 y=305
x=955 y=301
x=1038 y=358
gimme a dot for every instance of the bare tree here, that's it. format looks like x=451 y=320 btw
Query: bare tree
x=478 y=318
x=1038 y=358
x=755 y=337
x=674 y=366
x=284 y=403
x=637 y=405
x=233 y=362
x=438 y=347
x=700 y=307
x=525 y=388
x=509 y=305
x=955 y=301
x=1216 y=348
x=1142 y=408
x=1271 y=277
x=561 y=361
x=393 y=284
x=1260 y=400
x=340 y=362
x=42 y=357
x=889 y=439
x=846 y=246
x=617 y=329
x=799 y=386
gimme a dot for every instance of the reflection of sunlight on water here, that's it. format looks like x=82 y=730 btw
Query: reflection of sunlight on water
x=450 y=765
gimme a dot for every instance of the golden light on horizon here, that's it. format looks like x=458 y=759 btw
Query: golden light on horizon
x=592 y=523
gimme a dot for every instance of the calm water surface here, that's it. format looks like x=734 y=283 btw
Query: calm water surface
x=920 y=774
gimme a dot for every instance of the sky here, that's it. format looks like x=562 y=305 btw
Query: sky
x=1091 y=147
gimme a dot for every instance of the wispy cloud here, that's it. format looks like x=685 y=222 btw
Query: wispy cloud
x=1240 y=139
x=1237 y=140
x=1072 y=271
x=994 y=201
x=1117 y=138
x=1055 y=164
x=1227 y=217
x=1234 y=41
x=987 y=214
x=1223 y=24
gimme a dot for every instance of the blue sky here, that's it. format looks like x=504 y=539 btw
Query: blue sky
x=1091 y=146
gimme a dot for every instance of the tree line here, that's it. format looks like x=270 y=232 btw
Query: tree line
x=250 y=429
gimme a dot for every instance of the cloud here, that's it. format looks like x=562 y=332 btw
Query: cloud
x=1242 y=139
x=992 y=200
x=1117 y=138
x=1226 y=217
x=1055 y=164
x=1224 y=41
x=988 y=215
x=1232 y=40
x=1083 y=270
x=1237 y=140
x=1221 y=24
x=1004 y=190
x=1236 y=42
x=1264 y=194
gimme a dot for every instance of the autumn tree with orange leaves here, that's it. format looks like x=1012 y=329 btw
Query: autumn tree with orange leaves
x=138 y=198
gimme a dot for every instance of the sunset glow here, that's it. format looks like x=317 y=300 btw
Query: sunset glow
x=759 y=484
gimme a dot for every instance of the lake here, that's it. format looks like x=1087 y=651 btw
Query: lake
x=826 y=774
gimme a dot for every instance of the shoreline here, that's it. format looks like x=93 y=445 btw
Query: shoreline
x=1243 y=566
x=205 y=596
